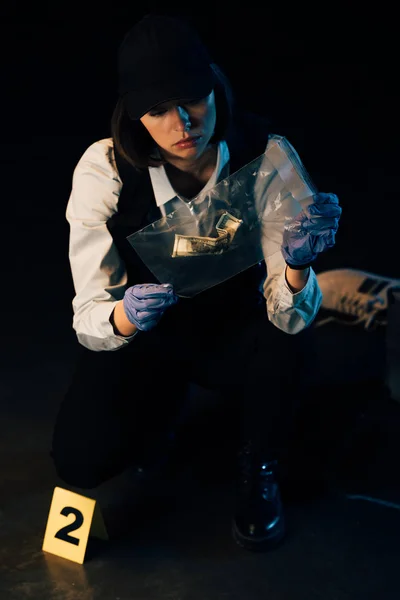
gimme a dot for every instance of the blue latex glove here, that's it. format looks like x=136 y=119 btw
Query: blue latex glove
x=144 y=304
x=311 y=231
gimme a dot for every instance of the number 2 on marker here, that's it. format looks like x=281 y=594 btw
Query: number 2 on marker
x=63 y=533
x=58 y=538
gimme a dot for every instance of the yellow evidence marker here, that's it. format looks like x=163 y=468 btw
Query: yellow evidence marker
x=72 y=518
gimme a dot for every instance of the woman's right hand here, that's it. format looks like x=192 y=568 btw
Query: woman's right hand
x=144 y=304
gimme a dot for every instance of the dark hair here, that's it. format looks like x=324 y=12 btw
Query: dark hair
x=134 y=143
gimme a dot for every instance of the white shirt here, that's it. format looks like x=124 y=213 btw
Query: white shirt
x=98 y=272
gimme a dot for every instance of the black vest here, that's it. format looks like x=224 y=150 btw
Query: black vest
x=246 y=139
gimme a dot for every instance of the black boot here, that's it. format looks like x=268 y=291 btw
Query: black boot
x=258 y=523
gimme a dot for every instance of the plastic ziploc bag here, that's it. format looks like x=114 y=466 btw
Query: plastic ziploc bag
x=229 y=228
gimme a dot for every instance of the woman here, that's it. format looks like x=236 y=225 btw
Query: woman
x=176 y=131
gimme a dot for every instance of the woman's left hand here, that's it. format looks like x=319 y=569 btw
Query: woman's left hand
x=312 y=231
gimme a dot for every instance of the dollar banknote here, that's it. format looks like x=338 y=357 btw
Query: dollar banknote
x=229 y=224
x=185 y=245
x=190 y=245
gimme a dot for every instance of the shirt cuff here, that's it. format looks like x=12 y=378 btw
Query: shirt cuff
x=95 y=331
x=290 y=298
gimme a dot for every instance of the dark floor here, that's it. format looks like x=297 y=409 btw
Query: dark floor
x=342 y=495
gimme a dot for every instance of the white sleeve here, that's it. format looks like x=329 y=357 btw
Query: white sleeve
x=98 y=273
x=290 y=312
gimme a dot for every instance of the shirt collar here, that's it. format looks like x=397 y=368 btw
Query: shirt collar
x=163 y=190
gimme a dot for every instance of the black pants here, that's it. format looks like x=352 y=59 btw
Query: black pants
x=121 y=401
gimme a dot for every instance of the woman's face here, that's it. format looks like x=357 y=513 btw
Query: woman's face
x=169 y=122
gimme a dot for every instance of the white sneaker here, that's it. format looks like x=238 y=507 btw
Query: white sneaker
x=352 y=297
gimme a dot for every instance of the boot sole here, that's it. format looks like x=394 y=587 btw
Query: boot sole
x=259 y=545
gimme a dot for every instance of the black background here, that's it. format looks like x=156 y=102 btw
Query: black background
x=327 y=79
